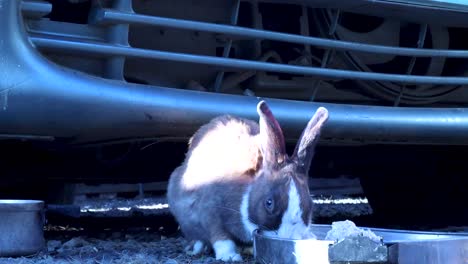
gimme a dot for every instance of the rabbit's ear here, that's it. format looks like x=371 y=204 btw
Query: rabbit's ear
x=271 y=136
x=304 y=151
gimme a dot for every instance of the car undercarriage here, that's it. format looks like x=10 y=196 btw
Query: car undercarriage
x=121 y=77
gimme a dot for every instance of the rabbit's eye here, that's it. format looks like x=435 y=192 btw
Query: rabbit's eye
x=269 y=205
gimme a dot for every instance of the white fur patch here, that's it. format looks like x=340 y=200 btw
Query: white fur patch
x=292 y=226
x=225 y=250
x=197 y=248
x=249 y=227
x=224 y=153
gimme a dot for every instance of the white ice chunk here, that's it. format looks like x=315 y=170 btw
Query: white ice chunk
x=343 y=229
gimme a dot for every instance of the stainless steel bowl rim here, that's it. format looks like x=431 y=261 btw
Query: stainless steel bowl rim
x=390 y=236
x=21 y=205
x=259 y=233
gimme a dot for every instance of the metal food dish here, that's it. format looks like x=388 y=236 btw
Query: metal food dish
x=275 y=250
x=21 y=227
x=392 y=236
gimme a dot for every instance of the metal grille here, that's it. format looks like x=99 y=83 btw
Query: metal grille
x=106 y=38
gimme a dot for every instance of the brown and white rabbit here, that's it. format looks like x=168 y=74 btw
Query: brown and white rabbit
x=237 y=177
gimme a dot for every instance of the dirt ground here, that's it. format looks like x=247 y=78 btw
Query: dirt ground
x=139 y=248
x=71 y=244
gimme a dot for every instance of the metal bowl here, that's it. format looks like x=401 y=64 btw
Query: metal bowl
x=21 y=227
x=287 y=251
x=405 y=246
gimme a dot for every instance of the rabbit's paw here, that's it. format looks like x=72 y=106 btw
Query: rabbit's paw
x=196 y=248
x=226 y=251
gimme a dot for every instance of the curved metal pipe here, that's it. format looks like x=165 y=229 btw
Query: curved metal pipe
x=38 y=97
x=112 y=16
x=115 y=50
